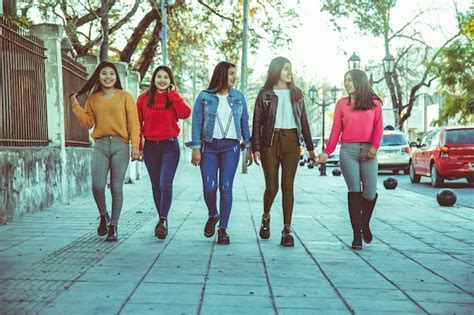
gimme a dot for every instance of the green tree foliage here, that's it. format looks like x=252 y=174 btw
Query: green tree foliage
x=194 y=26
x=455 y=69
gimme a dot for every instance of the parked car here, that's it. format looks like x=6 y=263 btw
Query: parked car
x=444 y=153
x=394 y=152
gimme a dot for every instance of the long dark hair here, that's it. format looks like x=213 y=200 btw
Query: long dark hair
x=93 y=84
x=219 y=81
x=364 y=95
x=152 y=90
x=273 y=75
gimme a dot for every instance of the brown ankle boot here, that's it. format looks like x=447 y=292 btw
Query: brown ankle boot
x=112 y=235
x=222 y=237
x=104 y=220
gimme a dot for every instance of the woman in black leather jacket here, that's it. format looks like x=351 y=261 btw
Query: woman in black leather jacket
x=279 y=124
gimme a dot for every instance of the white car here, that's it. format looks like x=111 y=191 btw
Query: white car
x=394 y=152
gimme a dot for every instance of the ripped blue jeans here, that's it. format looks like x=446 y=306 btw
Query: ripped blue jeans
x=220 y=156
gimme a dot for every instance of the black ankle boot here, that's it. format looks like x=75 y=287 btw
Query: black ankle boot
x=161 y=229
x=287 y=238
x=104 y=221
x=367 y=210
x=265 y=228
x=222 y=237
x=112 y=235
x=355 y=208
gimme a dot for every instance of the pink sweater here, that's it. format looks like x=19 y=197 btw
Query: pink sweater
x=355 y=125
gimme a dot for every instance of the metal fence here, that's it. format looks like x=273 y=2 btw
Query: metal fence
x=74 y=77
x=23 y=106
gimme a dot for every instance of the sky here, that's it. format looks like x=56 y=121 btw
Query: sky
x=318 y=52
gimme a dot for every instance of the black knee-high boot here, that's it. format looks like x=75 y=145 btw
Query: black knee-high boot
x=367 y=210
x=355 y=208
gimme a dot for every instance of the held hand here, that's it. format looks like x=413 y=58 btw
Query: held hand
x=371 y=153
x=312 y=157
x=141 y=156
x=249 y=157
x=196 y=157
x=135 y=154
x=322 y=158
x=256 y=157
x=74 y=99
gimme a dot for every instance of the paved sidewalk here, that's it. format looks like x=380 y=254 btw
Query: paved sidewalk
x=420 y=262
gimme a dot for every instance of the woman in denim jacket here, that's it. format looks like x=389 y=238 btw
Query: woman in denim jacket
x=220 y=128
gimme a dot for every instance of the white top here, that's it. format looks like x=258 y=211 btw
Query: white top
x=284 y=115
x=224 y=126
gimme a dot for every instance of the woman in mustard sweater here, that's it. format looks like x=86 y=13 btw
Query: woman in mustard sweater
x=112 y=113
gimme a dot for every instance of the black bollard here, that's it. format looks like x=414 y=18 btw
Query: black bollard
x=390 y=183
x=446 y=197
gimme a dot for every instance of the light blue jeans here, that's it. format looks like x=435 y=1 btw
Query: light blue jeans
x=110 y=153
x=360 y=174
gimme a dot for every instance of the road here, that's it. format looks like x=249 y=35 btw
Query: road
x=464 y=191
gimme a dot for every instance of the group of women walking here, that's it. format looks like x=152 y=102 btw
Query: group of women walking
x=220 y=131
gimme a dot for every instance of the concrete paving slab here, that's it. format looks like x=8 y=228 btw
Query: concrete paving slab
x=421 y=259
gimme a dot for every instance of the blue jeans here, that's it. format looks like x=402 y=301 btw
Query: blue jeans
x=220 y=155
x=161 y=160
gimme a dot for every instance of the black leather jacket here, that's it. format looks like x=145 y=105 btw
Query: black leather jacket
x=264 y=116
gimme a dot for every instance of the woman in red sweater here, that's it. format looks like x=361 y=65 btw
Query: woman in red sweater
x=358 y=124
x=159 y=109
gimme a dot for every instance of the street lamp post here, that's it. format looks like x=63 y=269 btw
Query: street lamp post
x=353 y=62
x=312 y=95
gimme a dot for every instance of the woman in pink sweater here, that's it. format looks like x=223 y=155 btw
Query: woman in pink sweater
x=358 y=125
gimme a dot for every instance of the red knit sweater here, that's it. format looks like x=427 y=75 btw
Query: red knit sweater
x=158 y=123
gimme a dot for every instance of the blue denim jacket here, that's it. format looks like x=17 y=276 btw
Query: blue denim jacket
x=204 y=118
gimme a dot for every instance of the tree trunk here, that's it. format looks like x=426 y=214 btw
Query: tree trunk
x=143 y=63
x=104 y=21
x=137 y=35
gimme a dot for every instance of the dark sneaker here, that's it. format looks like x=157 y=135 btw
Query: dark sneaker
x=223 y=237
x=161 y=229
x=210 y=227
x=112 y=234
x=265 y=228
x=287 y=238
x=104 y=221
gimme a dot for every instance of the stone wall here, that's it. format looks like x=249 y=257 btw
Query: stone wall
x=31 y=178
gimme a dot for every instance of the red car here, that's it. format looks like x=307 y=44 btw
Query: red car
x=443 y=153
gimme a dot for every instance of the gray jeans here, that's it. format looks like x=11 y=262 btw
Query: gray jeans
x=360 y=174
x=110 y=153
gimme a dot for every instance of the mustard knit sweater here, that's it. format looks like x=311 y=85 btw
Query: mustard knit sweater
x=110 y=117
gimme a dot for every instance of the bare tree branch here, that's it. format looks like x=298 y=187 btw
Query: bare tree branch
x=218 y=14
x=126 y=18
x=92 y=15
x=399 y=32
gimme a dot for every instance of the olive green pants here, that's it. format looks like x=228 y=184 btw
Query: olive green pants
x=284 y=151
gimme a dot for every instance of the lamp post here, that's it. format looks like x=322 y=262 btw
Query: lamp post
x=353 y=62
x=313 y=91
